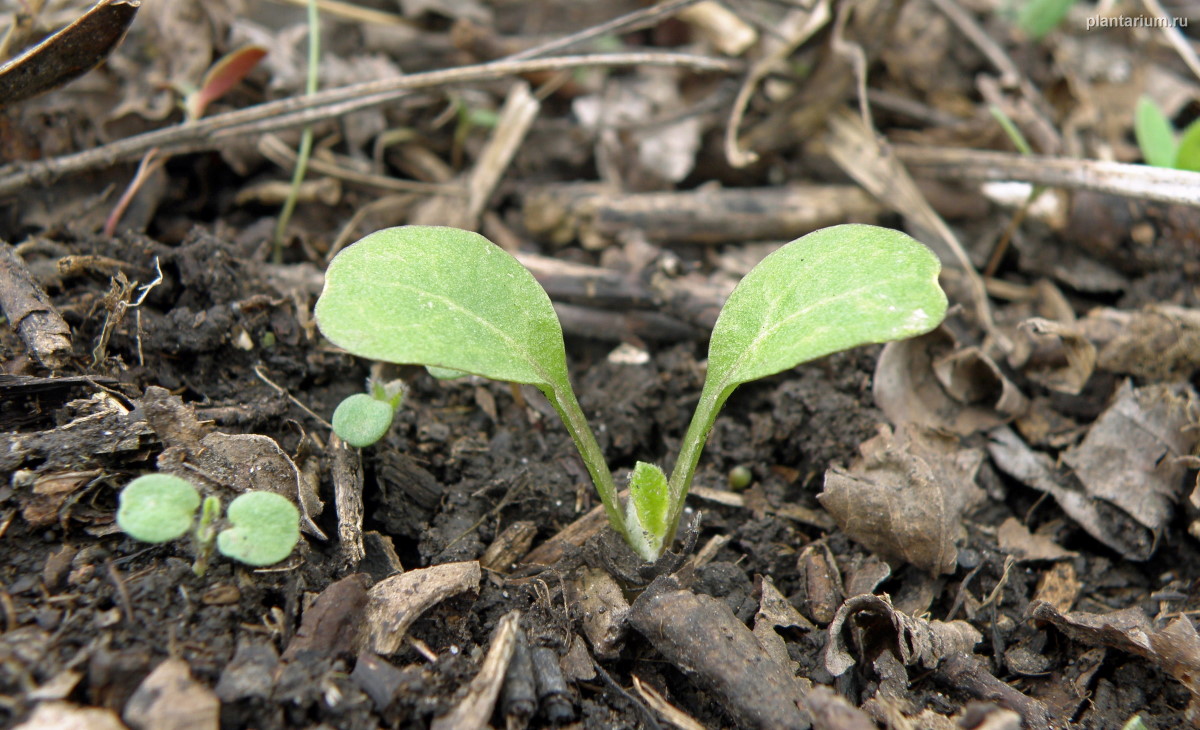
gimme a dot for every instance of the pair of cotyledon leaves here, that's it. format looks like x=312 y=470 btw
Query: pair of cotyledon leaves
x=264 y=526
x=450 y=299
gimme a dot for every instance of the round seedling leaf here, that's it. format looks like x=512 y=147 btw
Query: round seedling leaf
x=266 y=527
x=157 y=507
x=442 y=297
x=361 y=420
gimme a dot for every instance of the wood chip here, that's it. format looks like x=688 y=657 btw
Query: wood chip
x=395 y=603
x=473 y=711
x=169 y=699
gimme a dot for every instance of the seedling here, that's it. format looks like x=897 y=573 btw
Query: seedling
x=1039 y=17
x=1156 y=137
x=450 y=299
x=363 y=418
x=263 y=529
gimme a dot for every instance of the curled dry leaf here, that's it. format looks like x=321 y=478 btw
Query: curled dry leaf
x=394 y=603
x=1175 y=648
x=1156 y=343
x=872 y=621
x=1079 y=353
x=927 y=381
x=906 y=498
x=1102 y=521
x=1132 y=456
x=1126 y=474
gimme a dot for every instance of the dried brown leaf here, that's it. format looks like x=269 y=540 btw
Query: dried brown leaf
x=1174 y=648
x=1080 y=354
x=926 y=381
x=1131 y=457
x=1100 y=519
x=1016 y=540
x=869 y=620
x=1159 y=342
x=906 y=498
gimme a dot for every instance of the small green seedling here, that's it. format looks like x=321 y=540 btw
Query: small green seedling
x=264 y=526
x=1039 y=17
x=451 y=299
x=1156 y=137
x=363 y=418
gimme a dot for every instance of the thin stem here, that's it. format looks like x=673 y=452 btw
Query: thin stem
x=306 y=137
x=689 y=454
x=563 y=400
x=206 y=534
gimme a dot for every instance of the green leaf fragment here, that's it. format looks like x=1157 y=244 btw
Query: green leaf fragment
x=361 y=420
x=266 y=527
x=445 y=373
x=157 y=507
x=1039 y=17
x=1187 y=157
x=1155 y=135
x=834 y=289
x=829 y=291
x=648 y=510
x=446 y=298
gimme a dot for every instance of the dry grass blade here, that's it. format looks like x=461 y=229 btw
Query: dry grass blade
x=1178 y=41
x=293 y=112
x=276 y=151
x=1116 y=178
x=659 y=704
x=801 y=26
x=516 y=118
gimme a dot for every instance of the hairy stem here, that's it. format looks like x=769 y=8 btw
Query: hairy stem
x=711 y=400
x=563 y=400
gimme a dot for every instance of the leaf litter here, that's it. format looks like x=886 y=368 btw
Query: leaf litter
x=1074 y=379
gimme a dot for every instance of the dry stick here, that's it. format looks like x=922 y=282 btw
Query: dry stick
x=292 y=112
x=1010 y=75
x=275 y=150
x=31 y=313
x=1143 y=182
x=1177 y=40
x=354 y=13
x=625 y=23
x=734 y=153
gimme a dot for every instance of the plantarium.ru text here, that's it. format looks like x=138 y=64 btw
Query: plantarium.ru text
x=448 y=298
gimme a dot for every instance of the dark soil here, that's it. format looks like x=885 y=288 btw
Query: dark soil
x=88 y=613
